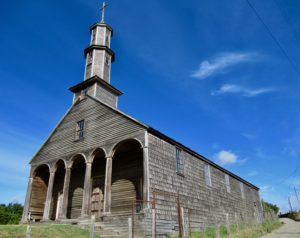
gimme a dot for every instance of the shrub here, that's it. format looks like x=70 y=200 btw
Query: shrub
x=210 y=232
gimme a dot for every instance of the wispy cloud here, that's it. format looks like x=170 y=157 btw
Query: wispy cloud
x=222 y=62
x=243 y=91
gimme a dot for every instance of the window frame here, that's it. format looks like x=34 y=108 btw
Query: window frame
x=227 y=183
x=242 y=189
x=79 y=130
x=207 y=175
x=179 y=161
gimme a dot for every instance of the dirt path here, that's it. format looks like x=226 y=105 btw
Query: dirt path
x=290 y=229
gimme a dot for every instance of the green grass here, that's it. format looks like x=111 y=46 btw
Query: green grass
x=238 y=231
x=44 y=231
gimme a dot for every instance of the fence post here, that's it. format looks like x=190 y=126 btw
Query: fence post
x=92 y=226
x=130 y=227
x=179 y=217
x=153 y=223
x=28 y=228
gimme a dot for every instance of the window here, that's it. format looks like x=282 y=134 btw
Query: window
x=179 y=161
x=242 y=190
x=79 y=130
x=94 y=36
x=207 y=175
x=90 y=58
x=227 y=183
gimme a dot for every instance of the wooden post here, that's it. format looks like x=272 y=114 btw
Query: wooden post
x=92 y=227
x=46 y=215
x=107 y=188
x=27 y=201
x=86 y=191
x=145 y=174
x=63 y=211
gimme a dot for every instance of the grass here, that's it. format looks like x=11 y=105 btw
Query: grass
x=44 y=231
x=241 y=231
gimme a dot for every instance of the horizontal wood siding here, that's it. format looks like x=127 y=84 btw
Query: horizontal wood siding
x=38 y=197
x=76 y=191
x=102 y=125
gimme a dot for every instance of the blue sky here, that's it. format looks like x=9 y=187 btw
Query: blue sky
x=206 y=73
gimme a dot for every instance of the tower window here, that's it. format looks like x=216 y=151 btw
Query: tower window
x=89 y=58
x=107 y=60
x=79 y=130
x=207 y=175
x=179 y=161
x=94 y=36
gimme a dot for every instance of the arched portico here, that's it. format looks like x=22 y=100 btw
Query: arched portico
x=39 y=192
x=127 y=175
x=76 y=187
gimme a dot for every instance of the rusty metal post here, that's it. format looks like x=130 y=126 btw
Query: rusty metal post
x=179 y=217
x=189 y=217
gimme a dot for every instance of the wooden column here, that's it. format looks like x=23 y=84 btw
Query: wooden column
x=63 y=211
x=145 y=173
x=86 y=190
x=46 y=214
x=107 y=188
x=27 y=200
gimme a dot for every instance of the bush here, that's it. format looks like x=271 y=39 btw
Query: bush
x=11 y=213
x=223 y=231
x=210 y=232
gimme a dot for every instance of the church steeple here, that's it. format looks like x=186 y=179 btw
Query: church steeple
x=98 y=55
x=99 y=58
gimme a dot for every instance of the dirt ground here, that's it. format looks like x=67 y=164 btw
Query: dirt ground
x=290 y=229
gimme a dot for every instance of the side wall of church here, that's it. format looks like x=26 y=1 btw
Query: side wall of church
x=209 y=205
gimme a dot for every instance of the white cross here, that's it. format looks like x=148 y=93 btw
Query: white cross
x=103 y=10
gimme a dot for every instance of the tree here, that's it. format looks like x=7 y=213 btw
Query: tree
x=11 y=213
x=269 y=207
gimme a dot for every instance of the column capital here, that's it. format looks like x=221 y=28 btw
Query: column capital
x=109 y=157
x=144 y=147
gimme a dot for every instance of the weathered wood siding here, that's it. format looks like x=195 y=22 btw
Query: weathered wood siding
x=103 y=126
x=209 y=205
x=76 y=191
x=38 y=195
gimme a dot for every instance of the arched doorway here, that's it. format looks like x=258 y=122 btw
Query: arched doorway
x=98 y=181
x=57 y=194
x=76 y=187
x=39 y=192
x=127 y=176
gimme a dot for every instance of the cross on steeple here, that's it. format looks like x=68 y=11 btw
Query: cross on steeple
x=104 y=5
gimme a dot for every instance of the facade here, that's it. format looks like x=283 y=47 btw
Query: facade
x=98 y=160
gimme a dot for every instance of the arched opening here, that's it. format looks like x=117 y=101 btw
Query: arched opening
x=127 y=176
x=98 y=181
x=39 y=192
x=57 y=194
x=76 y=187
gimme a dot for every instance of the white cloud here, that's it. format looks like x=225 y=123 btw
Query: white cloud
x=222 y=62
x=226 y=157
x=236 y=89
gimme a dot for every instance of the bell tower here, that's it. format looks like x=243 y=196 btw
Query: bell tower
x=99 y=58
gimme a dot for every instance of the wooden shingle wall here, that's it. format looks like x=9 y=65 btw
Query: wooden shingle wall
x=209 y=205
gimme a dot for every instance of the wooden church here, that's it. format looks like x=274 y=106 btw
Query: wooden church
x=98 y=160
